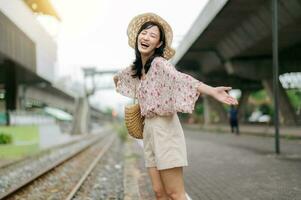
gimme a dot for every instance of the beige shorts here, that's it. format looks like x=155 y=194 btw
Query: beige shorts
x=164 y=142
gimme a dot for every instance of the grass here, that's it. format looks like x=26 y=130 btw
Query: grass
x=22 y=133
x=25 y=141
x=17 y=151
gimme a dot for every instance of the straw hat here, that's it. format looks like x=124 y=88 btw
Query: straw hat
x=139 y=20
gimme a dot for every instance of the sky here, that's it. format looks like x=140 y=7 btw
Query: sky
x=92 y=33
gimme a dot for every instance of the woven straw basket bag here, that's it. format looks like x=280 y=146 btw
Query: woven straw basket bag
x=133 y=120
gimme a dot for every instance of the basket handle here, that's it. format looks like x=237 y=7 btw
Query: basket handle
x=135 y=94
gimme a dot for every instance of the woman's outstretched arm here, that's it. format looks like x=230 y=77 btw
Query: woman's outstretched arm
x=218 y=93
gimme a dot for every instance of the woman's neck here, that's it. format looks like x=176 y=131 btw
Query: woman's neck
x=144 y=59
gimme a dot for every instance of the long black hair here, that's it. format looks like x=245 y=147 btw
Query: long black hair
x=137 y=64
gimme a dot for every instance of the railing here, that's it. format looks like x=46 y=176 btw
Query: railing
x=29 y=118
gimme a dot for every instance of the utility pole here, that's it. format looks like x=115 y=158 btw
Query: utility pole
x=275 y=72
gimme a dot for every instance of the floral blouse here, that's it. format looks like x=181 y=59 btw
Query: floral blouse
x=164 y=90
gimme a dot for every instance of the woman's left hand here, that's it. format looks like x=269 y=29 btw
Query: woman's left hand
x=221 y=94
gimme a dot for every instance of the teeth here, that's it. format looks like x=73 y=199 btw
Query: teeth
x=145 y=44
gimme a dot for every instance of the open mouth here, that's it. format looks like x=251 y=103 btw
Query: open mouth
x=144 y=44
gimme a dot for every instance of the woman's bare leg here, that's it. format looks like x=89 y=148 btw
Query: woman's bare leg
x=173 y=183
x=157 y=184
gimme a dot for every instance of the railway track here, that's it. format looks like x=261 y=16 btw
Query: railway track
x=38 y=154
x=63 y=178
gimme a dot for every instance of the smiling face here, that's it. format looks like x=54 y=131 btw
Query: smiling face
x=148 y=40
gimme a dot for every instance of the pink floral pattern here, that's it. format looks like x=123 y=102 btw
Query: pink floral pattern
x=126 y=84
x=164 y=91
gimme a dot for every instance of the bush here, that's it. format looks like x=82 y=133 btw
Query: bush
x=199 y=109
x=5 y=138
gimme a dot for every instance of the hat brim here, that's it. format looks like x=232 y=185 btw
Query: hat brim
x=136 y=23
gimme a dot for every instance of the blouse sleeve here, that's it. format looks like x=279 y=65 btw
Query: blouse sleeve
x=126 y=84
x=182 y=88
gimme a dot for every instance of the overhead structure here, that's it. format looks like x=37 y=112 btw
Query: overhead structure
x=230 y=43
x=42 y=6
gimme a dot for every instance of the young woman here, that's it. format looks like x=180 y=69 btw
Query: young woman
x=162 y=91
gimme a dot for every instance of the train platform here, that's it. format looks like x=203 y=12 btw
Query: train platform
x=227 y=166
